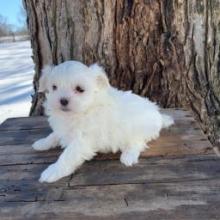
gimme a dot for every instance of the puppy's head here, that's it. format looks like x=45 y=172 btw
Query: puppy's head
x=72 y=87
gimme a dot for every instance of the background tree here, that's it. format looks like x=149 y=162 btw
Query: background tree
x=167 y=50
x=22 y=17
x=5 y=27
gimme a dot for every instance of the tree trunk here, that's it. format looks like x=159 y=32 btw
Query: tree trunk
x=168 y=50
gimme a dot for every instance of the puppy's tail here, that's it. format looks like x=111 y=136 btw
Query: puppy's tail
x=167 y=121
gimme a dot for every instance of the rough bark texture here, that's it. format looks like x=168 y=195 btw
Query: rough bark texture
x=168 y=50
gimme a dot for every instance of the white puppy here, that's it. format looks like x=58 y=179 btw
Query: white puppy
x=87 y=116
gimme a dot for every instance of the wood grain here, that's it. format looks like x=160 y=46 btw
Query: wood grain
x=183 y=138
x=178 y=178
x=184 y=200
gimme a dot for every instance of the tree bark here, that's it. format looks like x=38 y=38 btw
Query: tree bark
x=167 y=50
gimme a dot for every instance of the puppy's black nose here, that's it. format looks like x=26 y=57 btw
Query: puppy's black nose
x=64 y=101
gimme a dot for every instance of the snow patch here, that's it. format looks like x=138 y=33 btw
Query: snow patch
x=16 y=76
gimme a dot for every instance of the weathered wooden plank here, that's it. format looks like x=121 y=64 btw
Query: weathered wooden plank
x=25 y=154
x=171 y=136
x=153 y=170
x=32 y=158
x=166 y=145
x=199 y=200
x=22 y=136
x=24 y=123
x=184 y=138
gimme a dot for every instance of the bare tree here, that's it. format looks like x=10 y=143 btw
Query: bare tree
x=22 y=18
x=5 y=27
x=168 y=50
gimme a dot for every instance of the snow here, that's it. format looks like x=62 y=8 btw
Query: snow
x=8 y=39
x=16 y=76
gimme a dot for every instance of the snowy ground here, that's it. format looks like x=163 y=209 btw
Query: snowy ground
x=16 y=75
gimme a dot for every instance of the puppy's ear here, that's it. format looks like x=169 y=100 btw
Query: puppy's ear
x=101 y=77
x=45 y=75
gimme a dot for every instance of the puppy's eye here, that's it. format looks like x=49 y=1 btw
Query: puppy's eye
x=79 y=89
x=54 y=87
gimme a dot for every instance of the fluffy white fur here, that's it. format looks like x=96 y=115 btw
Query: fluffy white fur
x=97 y=118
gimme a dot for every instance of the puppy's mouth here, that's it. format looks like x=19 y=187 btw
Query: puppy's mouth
x=64 y=109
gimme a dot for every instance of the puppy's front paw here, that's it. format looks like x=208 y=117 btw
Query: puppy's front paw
x=129 y=158
x=51 y=174
x=40 y=145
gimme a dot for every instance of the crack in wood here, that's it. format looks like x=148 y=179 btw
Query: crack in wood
x=126 y=201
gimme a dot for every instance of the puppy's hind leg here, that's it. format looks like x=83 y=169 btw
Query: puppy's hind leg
x=47 y=143
x=129 y=155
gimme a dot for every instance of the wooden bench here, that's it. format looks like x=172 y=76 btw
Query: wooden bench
x=177 y=178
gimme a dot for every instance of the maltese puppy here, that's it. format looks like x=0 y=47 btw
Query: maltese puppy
x=88 y=116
